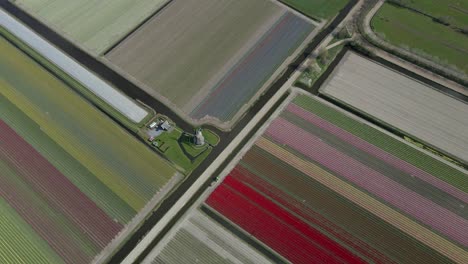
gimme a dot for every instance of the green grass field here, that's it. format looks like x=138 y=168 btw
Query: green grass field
x=455 y=11
x=178 y=149
x=422 y=35
x=210 y=137
x=318 y=9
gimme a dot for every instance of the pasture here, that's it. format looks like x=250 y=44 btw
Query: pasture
x=96 y=25
x=421 y=35
x=72 y=176
x=453 y=11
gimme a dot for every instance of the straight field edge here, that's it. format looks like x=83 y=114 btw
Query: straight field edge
x=412 y=140
x=238 y=232
x=410 y=57
x=264 y=121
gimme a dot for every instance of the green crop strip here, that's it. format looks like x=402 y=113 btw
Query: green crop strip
x=385 y=142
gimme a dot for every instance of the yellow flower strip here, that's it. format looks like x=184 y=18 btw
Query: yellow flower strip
x=400 y=221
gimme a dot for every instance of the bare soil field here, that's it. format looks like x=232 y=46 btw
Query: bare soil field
x=193 y=51
x=397 y=100
x=94 y=24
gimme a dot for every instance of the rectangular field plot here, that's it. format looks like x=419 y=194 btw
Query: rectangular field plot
x=94 y=24
x=318 y=9
x=444 y=44
x=210 y=58
x=71 y=179
x=321 y=186
x=408 y=105
x=200 y=237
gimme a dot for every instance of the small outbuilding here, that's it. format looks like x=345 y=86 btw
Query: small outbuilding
x=152 y=125
x=165 y=125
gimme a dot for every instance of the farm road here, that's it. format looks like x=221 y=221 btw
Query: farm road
x=189 y=197
x=277 y=93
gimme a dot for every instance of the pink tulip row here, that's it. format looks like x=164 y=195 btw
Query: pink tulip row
x=422 y=209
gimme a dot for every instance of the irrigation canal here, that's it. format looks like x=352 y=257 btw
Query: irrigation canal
x=135 y=92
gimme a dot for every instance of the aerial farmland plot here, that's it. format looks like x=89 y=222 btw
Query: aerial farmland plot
x=210 y=59
x=399 y=101
x=415 y=28
x=95 y=25
x=321 y=186
x=317 y=9
x=205 y=240
x=72 y=179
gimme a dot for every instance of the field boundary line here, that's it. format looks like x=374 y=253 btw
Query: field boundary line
x=137 y=220
x=209 y=171
x=400 y=221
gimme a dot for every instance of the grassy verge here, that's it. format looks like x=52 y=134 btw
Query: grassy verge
x=211 y=137
x=317 y=9
x=317 y=68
